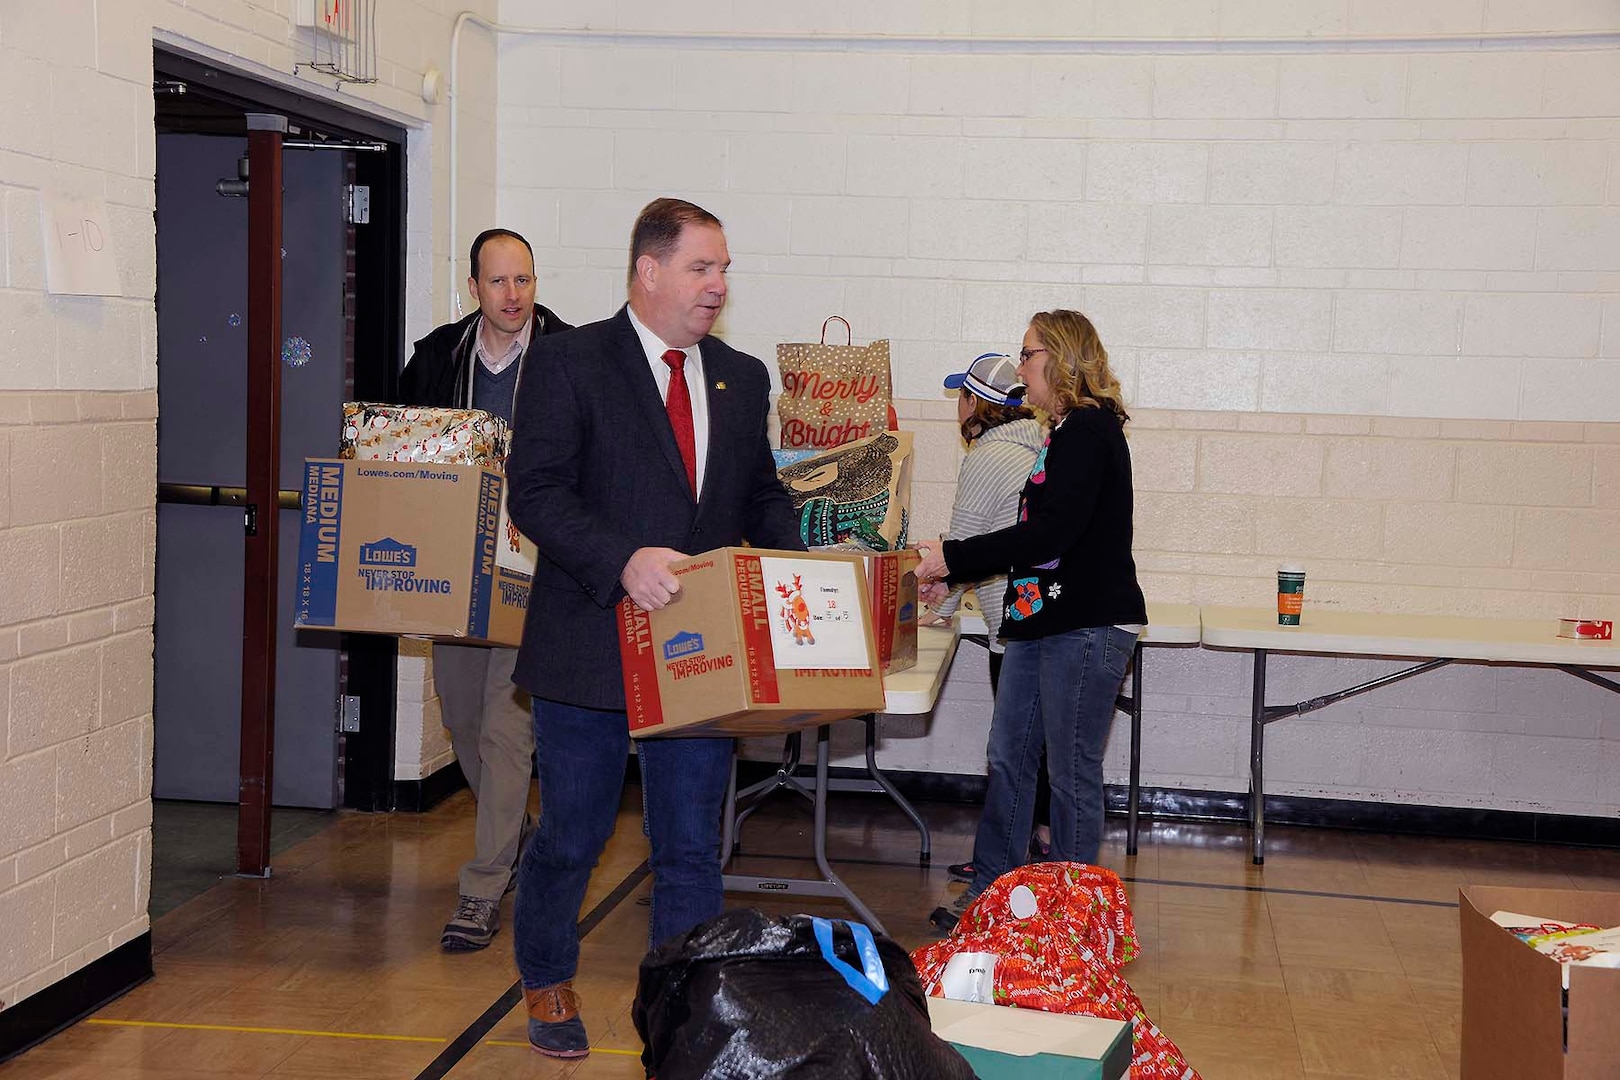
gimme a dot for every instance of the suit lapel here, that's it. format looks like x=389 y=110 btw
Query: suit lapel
x=638 y=377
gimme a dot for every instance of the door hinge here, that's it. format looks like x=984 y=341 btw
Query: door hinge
x=349 y=713
x=357 y=204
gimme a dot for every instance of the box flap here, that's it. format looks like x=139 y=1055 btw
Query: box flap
x=1594 y=1013
x=1512 y=1022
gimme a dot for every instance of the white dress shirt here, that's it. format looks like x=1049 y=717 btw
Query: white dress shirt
x=695 y=385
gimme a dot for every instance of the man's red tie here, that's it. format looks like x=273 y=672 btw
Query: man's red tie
x=679 y=404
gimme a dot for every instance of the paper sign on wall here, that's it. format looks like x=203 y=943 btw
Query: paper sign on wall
x=816 y=614
x=79 y=257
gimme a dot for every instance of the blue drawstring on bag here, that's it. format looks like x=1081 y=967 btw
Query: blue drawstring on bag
x=871 y=984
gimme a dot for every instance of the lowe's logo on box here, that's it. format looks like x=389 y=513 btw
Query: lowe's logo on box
x=387 y=552
x=683 y=644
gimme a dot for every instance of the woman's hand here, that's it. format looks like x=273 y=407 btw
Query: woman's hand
x=932 y=567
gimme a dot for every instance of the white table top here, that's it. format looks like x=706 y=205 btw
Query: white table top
x=1518 y=641
x=1168 y=624
x=915 y=689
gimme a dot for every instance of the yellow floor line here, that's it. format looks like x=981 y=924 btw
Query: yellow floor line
x=594 y=1049
x=268 y=1031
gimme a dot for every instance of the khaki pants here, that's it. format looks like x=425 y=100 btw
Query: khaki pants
x=492 y=733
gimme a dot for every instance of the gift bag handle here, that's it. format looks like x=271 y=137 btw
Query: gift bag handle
x=849 y=337
x=871 y=984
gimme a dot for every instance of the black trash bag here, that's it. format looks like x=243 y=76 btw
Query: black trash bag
x=746 y=996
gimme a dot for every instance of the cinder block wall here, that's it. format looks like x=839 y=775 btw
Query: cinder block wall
x=78 y=378
x=1364 y=298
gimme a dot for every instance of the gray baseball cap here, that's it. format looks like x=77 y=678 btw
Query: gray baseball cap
x=992 y=376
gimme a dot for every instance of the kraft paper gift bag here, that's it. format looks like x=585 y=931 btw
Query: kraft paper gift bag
x=833 y=394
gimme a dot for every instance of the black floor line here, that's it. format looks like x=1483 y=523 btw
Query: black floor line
x=1265 y=889
x=463 y=1044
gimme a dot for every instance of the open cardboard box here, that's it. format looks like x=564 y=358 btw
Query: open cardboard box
x=1513 y=1023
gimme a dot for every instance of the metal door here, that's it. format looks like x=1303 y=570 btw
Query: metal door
x=202 y=386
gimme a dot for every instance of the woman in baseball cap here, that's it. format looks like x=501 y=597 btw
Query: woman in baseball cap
x=1003 y=440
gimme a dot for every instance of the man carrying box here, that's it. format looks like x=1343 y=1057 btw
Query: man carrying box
x=654 y=443
x=475 y=364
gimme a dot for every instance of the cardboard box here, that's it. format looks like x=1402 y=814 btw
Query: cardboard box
x=892 y=578
x=1513 y=1022
x=757 y=642
x=411 y=549
x=1003 y=1043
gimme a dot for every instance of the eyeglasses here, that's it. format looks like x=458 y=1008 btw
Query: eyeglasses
x=1025 y=354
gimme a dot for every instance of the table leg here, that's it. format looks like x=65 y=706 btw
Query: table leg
x=924 y=855
x=1135 y=792
x=728 y=817
x=1257 y=759
x=823 y=737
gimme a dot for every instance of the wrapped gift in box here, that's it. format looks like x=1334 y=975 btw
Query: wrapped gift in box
x=373 y=432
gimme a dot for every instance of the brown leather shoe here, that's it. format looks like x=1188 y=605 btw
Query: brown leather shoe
x=555 y=1028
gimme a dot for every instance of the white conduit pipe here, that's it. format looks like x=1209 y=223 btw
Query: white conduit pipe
x=943 y=43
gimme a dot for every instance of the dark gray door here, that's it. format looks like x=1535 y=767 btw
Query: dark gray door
x=202 y=394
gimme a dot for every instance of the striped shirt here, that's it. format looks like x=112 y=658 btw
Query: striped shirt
x=987 y=488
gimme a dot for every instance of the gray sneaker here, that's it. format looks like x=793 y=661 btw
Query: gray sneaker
x=473 y=925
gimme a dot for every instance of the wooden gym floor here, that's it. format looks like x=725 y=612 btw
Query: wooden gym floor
x=1339 y=959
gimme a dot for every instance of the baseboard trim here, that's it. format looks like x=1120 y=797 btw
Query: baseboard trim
x=1176 y=804
x=417 y=796
x=67 y=1001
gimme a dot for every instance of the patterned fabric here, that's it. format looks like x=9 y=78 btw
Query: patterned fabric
x=1066 y=957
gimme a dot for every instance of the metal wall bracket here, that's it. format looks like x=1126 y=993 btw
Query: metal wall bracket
x=349 y=713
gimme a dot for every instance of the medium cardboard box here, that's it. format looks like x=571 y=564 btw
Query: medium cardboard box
x=892 y=578
x=1003 y=1043
x=413 y=549
x=757 y=642
x=1513 y=1024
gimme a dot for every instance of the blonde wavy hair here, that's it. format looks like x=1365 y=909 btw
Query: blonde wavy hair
x=1077 y=368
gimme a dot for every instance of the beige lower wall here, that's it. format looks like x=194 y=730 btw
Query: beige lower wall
x=77 y=543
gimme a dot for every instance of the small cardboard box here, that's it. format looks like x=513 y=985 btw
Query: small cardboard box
x=412 y=549
x=1514 y=1026
x=1003 y=1043
x=757 y=642
x=892 y=577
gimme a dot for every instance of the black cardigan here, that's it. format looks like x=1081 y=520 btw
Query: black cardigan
x=1069 y=556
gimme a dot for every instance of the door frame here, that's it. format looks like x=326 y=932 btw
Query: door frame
x=370 y=672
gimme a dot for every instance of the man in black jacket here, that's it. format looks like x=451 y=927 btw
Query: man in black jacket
x=476 y=363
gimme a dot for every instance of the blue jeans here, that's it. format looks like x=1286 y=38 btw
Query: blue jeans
x=580 y=755
x=1057 y=692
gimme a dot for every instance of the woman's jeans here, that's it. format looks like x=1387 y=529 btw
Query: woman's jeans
x=1057 y=692
x=581 y=755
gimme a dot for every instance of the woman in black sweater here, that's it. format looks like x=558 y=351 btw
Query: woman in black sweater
x=1074 y=609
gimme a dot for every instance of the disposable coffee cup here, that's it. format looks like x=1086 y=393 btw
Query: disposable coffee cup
x=1290 y=594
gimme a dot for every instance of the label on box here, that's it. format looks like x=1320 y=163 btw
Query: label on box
x=489 y=517
x=318 y=572
x=816 y=609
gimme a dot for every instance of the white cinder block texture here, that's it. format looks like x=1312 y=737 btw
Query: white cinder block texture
x=1469 y=238
x=1152 y=172
x=1466 y=84
x=1324 y=236
x=1289 y=319
x=1091 y=86
x=1537 y=172
x=1204 y=235
x=1299 y=173
x=1225 y=87
x=1506 y=324
x=1034 y=169
x=1344 y=86
x=1411 y=323
x=1401 y=173
x=1587 y=238
x=1090 y=233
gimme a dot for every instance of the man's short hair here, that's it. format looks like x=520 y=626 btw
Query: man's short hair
x=658 y=228
x=485 y=237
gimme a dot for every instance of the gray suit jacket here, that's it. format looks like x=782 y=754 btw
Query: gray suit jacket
x=595 y=474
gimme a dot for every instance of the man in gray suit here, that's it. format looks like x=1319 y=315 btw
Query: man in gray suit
x=645 y=439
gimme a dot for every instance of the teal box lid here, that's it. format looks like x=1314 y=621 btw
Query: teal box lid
x=1064 y=1047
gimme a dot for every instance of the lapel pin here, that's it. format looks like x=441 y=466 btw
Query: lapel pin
x=720 y=385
